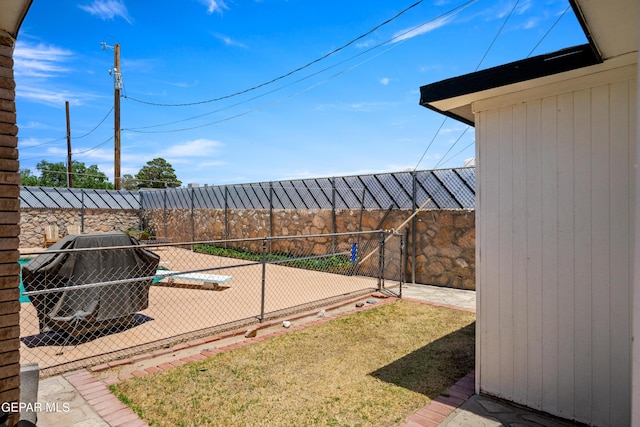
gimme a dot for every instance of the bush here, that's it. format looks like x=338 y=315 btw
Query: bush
x=333 y=263
x=138 y=234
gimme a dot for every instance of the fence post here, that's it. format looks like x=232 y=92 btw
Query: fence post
x=140 y=210
x=413 y=226
x=403 y=240
x=270 y=213
x=164 y=213
x=82 y=210
x=381 y=261
x=226 y=215
x=264 y=276
x=193 y=231
x=333 y=214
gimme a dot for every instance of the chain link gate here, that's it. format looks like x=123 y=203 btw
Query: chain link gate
x=85 y=306
x=392 y=263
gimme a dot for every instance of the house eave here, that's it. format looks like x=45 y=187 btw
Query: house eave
x=433 y=95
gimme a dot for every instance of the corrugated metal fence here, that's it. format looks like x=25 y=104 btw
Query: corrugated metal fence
x=77 y=198
x=446 y=188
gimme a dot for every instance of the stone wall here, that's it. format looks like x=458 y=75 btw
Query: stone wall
x=9 y=230
x=33 y=222
x=446 y=248
x=444 y=239
x=444 y=243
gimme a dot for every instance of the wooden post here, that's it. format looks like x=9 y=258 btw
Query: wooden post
x=117 y=85
x=69 y=164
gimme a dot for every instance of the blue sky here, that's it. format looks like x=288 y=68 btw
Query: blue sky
x=354 y=111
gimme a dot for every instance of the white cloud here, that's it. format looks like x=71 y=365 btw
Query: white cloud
x=446 y=130
x=384 y=81
x=228 y=40
x=30 y=142
x=531 y=23
x=431 y=67
x=90 y=157
x=44 y=96
x=39 y=60
x=197 y=148
x=204 y=165
x=108 y=9
x=181 y=84
x=355 y=106
x=365 y=43
x=523 y=7
x=214 y=5
x=422 y=29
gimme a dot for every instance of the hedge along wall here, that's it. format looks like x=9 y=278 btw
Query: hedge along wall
x=444 y=243
x=34 y=221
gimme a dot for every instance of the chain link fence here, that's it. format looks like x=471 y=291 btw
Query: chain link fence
x=82 y=306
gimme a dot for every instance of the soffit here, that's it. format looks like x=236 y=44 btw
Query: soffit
x=12 y=13
x=611 y=25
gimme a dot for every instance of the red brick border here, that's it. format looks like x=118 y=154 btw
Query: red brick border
x=442 y=406
x=105 y=403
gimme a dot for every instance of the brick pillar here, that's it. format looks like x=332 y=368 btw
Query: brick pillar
x=9 y=228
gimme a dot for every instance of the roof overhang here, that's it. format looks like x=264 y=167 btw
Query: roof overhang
x=611 y=28
x=503 y=75
x=12 y=13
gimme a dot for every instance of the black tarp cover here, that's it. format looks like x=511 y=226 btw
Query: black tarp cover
x=112 y=301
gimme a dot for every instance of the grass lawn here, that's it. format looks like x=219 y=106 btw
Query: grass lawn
x=371 y=368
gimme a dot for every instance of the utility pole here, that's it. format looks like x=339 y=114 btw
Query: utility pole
x=69 y=164
x=117 y=85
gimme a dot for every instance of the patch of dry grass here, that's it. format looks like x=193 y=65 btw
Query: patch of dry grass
x=371 y=368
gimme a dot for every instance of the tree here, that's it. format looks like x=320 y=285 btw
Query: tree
x=55 y=175
x=27 y=178
x=158 y=173
x=89 y=177
x=52 y=174
x=128 y=182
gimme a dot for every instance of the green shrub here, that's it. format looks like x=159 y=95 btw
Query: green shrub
x=138 y=234
x=333 y=263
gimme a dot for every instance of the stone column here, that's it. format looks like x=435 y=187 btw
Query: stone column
x=9 y=228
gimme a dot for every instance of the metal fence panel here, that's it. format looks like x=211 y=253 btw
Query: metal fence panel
x=447 y=188
x=77 y=198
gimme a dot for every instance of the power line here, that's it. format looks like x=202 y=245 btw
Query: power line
x=307 y=65
x=75 y=173
x=286 y=74
x=483 y=57
x=477 y=67
x=96 y=127
x=430 y=142
x=263 y=106
x=386 y=42
x=451 y=147
x=73 y=137
x=549 y=30
x=443 y=162
x=76 y=153
x=497 y=35
x=44 y=143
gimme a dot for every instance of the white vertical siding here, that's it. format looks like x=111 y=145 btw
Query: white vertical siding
x=554 y=251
